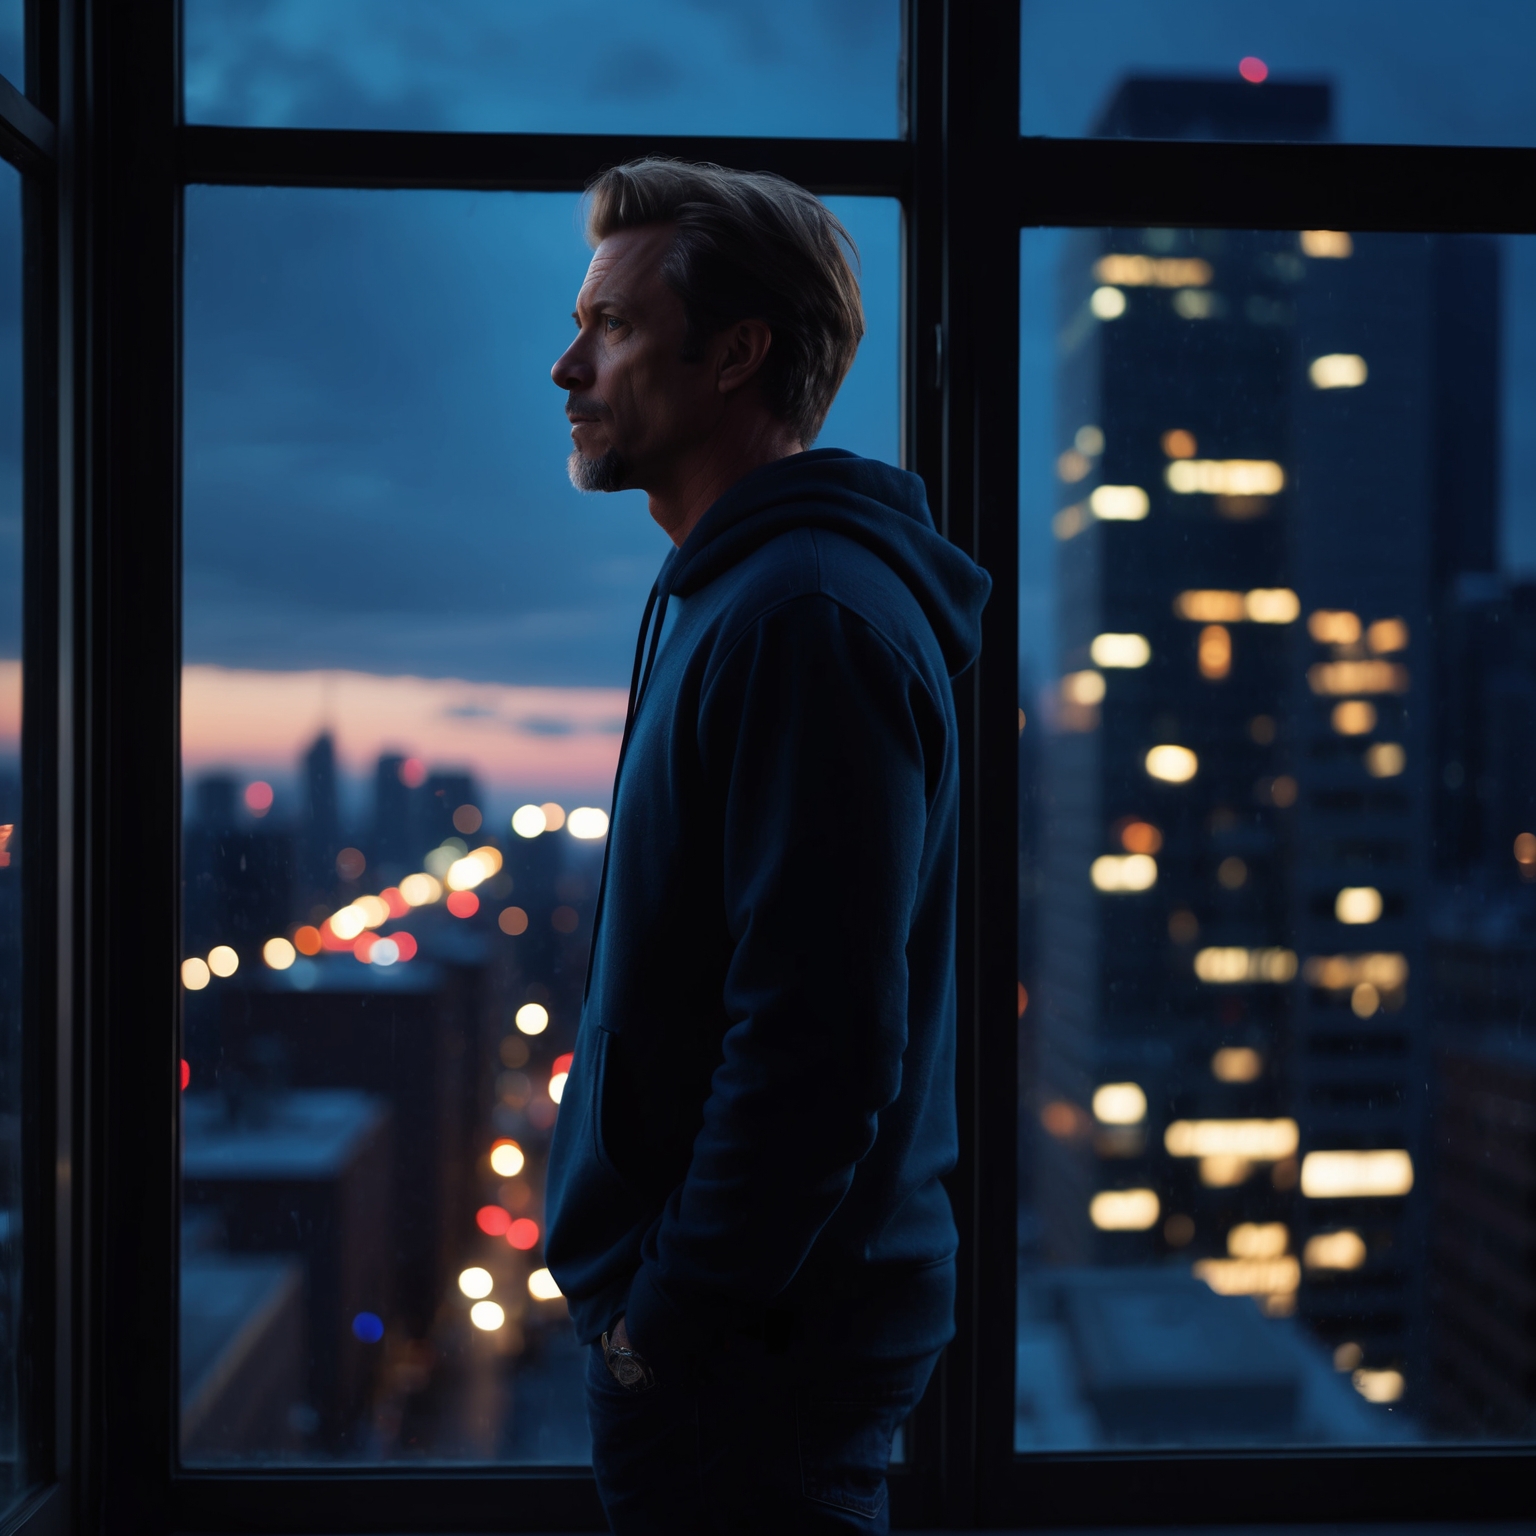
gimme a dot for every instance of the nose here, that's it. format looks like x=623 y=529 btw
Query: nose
x=571 y=370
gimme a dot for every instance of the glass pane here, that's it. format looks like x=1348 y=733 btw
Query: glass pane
x=408 y=641
x=1371 y=71
x=13 y=48
x=1279 y=850
x=13 y=1475
x=801 y=68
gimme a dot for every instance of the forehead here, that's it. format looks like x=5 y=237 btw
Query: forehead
x=627 y=262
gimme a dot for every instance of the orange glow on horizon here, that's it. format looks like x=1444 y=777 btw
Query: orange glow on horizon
x=508 y=737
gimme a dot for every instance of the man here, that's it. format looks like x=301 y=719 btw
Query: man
x=744 y=1198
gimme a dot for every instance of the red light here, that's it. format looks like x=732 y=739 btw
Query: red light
x=362 y=946
x=1023 y=999
x=258 y=798
x=493 y=1221
x=523 y=1233
x=397 y=904
x=463 y=903
x=406 y=944
x=186 y=1075
x=1254 y=71
x=562 y=1063
x=413 y=773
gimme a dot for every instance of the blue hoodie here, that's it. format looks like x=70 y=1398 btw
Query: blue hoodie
x=762 y=1105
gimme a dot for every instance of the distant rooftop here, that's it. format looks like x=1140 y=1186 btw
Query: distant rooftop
x=1203 y=107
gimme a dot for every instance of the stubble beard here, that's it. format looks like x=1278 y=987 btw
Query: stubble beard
x=607 y=472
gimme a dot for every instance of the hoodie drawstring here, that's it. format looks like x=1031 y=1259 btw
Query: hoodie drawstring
x=637 y=682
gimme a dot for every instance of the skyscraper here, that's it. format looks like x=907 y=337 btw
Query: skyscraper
x=1271 y=472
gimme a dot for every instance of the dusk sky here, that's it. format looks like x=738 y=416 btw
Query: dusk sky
x=374 y=452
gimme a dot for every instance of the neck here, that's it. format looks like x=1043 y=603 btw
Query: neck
x=706 y=472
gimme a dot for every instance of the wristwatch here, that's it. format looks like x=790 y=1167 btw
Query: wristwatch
x=627 y=1367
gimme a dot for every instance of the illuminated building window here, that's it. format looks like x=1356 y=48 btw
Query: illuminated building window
x=1387 y=635
x=1344 y=1249
x=1123 y=872
x=1229 y=966
x=1195 y=304
x=1124 y=1210
x=1385 y=760
x=1324 y=244
x=1107 y=303
x=1214 y=652
x=1336 y=677
x=1338 y=370
x=1120 y=651
x=1224 y=477
x=1153 y=271
x=1237 y=1063
x=1358 y=904
x=1354 y=717
x=1119 y=503
x=1356 y=1175
x=1334 y=626
x=1119 y=1104
x=1171 y=764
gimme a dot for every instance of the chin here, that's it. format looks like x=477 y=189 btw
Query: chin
x=607 y=472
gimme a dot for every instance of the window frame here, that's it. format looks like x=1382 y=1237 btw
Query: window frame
x=106 y=596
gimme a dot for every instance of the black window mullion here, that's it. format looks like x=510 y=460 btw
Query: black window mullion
x=128 y=636
x=517 y=162
x=1130 y=183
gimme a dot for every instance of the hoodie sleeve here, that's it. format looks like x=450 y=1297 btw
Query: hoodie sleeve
x=813 y=736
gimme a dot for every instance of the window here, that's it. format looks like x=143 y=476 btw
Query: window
x=1275 y=477
x=663 y=67
x=1371 y=72
x=303 y=585
x=407 y=642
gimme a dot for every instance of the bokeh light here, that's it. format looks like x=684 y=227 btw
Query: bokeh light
x=307 y=940
x=487 y=1316
x=542 y=1286
x=467 y=819
x=492 y=1220
x=279 y=954
x=463 y=903
x=476 y=1282
x=420 y=890
x=258 y=797
x=368 y=1326
x=532 y=1018
x=222 y=960
x=507 y=1159
x=195 y=974
x=587 y=822
x=523 y=1233
x=528 y=821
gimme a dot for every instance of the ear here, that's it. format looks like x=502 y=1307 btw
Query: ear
x=739 y=352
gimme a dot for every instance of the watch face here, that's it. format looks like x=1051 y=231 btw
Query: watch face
x=626 y=1371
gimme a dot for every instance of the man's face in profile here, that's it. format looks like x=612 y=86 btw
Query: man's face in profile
x=633 y=402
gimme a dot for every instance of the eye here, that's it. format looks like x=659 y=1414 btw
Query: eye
x=611 y=322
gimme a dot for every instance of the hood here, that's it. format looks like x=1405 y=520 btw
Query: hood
x=882 y=508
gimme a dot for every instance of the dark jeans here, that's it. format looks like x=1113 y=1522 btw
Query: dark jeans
x=750 y=1442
